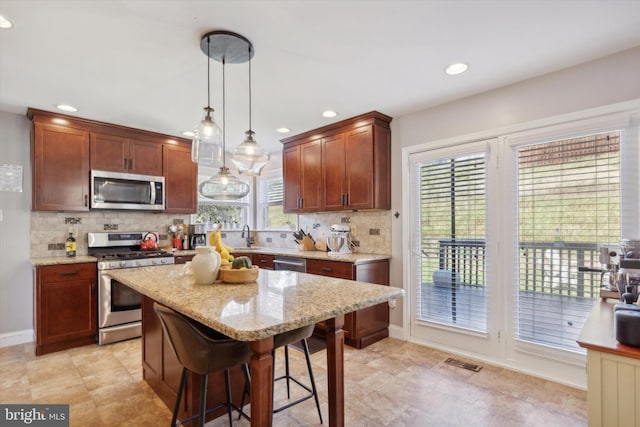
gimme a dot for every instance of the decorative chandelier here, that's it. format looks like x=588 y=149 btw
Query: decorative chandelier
x=206 y=148
x=249 y=157
x=225 y=47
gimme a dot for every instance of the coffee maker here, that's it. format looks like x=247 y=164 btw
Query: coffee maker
x=197 y=235
x=339 y=241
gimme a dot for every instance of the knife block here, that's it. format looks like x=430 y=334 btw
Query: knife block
x=307 y=244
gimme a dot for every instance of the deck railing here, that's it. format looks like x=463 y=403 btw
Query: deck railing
x=546 y=267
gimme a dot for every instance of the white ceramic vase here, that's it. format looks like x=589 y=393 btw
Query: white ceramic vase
x=205 y=265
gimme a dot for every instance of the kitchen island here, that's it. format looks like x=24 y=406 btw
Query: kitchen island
x=279 y=301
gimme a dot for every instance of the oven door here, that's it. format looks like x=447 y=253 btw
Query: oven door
x=118 y=304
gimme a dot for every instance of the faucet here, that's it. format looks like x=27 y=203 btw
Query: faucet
x=248 y=237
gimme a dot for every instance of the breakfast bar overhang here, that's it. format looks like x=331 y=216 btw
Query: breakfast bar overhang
x=277 y=302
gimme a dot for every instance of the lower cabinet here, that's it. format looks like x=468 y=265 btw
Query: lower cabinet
x=162 y=370
x=65 y=306
x=182 y=259
x=263 y=261
x=365 y=326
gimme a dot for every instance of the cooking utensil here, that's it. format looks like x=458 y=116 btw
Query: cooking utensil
x=149 y=242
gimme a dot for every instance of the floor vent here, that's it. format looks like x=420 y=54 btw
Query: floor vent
x=461 y=364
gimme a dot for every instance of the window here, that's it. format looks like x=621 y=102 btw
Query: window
x=234 y=213
x=270 y=203
x=451 y=215
x=568 y=208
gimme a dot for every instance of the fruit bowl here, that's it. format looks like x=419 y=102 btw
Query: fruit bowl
x=236 y=276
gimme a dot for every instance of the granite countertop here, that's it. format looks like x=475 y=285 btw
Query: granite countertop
x=356 y=258
x=39 y=262
x=598 y=332
x=277 y=302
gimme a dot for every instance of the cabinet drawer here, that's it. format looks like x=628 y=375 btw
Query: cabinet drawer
x=263 y=261
x=182 y=259
x=341 y=270
x=65 y=272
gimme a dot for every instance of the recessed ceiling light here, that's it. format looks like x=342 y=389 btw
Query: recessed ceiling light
x=283 y=130
x=188 y=133
x=329 y=113
x=457 y=68
x=5 y=23
x=66 y=107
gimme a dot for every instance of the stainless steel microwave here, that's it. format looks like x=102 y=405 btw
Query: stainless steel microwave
x=115 y=190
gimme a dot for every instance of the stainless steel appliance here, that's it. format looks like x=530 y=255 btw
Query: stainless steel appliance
x=119 y=307
x=114 y=190
x=290 y=264
x=198 y=240
x=339 y=241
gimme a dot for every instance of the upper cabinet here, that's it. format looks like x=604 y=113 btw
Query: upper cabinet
x=60 y=168
x=64 y=149
x=352 y=172
x=120 y=154
x=180 y=179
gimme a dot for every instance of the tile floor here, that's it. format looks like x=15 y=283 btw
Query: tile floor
x=390 y=383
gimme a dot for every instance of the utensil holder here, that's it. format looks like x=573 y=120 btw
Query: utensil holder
x=307 y=244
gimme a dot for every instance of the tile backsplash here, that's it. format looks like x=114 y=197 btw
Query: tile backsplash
x=49 y=230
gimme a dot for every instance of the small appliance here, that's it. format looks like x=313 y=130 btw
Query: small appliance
x=339 y=241
x=198 y=239
x=115 y=190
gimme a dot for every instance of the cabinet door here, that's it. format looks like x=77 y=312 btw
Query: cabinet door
x=263 y=261
x=60 y=168
x=291 y=178
x=359 y=168
x=341 y=270
x=180 y=179
x=109 y=152
x=145 y=157
x=311 y=177
x=333 y=152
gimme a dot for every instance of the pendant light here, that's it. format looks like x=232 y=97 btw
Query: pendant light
x=249 y=157
x=225 y=186
x=205 y=147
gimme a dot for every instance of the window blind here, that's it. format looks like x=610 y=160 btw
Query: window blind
x=568 y=208
x=452 y=208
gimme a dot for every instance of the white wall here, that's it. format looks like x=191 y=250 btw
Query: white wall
x=602 y=82
x=16 y=293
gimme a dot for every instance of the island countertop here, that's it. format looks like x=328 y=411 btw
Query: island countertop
x=277 y=302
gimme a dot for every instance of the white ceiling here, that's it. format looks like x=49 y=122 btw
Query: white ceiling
x=139 y=63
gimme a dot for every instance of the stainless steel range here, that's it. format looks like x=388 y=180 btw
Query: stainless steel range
x=119 y=307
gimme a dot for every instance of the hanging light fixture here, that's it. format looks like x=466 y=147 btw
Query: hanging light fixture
x=249 y=157
x=205 y=147
x=232 y=48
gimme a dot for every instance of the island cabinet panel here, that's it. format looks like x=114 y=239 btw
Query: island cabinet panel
x=60 y=163
x=365 y=326
x=122 y=154
x=354 y=171
x=162 y=370
x=65 y=306
x=180 y=179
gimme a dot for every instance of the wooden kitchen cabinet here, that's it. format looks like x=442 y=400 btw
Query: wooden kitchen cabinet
x=122 y=154
x=264 y=261
x=354 y=169
x=365 y=326
x=65 y=149
x=180 y=179
x=65 y=306
x=302 y=177
x=60 y=168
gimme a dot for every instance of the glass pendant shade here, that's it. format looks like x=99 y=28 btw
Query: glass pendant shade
x=206 y=148
x=224 y=186
x=249 y=157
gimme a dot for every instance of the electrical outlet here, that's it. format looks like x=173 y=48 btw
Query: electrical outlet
x=374 y=231
x=269 y=240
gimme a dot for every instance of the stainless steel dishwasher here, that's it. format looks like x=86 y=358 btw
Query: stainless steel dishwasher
x=290 y=263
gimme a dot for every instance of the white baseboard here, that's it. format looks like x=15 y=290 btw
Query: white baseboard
x=15 y=338
x=396 y=332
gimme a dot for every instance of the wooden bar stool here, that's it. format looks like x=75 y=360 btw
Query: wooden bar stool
x=202 y=350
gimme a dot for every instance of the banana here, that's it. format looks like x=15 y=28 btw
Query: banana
x=215 y=240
